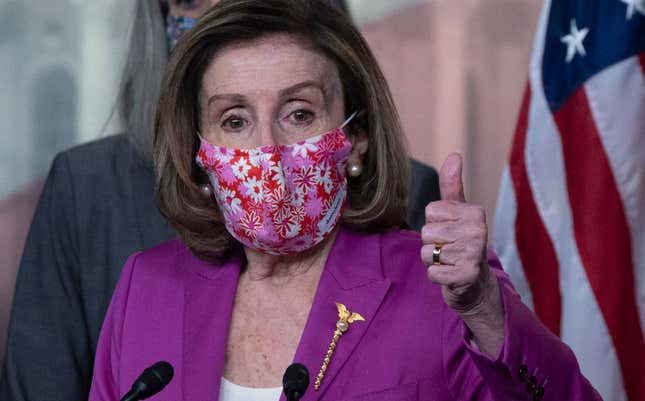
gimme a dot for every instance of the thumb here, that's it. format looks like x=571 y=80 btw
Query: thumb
x=450 y=182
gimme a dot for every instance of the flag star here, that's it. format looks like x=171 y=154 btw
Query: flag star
x=574 y=41
x=634 y=5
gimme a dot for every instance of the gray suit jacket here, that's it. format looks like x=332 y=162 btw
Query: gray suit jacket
x=97 y=208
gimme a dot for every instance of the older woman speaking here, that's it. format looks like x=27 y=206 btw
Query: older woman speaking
x=281 y=162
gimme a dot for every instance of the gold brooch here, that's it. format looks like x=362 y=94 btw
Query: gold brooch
x=345 y=318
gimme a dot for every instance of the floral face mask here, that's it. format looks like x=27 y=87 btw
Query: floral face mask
x=280 y=199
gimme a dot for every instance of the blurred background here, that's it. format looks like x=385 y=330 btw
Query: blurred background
x=457 y=69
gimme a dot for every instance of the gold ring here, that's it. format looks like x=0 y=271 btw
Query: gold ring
x=436 y=253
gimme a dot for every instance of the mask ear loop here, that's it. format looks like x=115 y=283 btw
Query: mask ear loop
x=353 y=170
x=349 y=119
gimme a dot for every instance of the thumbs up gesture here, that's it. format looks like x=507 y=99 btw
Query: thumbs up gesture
x=454 y=249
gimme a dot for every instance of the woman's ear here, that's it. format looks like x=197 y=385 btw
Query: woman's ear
x=359 y=142
x=358 y=139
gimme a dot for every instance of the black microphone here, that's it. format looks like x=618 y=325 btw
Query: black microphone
x=295 y=381
x=151 y=381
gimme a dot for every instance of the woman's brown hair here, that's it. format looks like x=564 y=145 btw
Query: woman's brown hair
x=377 y=199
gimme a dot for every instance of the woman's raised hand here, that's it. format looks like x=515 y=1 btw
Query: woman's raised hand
x=454 y=249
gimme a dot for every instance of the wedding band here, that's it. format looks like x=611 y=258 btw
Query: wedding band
x=436 y=253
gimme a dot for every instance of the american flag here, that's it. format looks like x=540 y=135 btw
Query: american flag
x=570 y=220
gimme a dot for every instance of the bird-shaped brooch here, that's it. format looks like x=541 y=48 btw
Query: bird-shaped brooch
x=345 y=318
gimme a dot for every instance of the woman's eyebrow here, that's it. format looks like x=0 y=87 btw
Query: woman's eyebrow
x=300 y=86
x=231 y=97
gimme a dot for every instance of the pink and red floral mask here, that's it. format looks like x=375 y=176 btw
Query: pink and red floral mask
x=284 y=198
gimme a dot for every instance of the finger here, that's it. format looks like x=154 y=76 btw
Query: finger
x=447 y=256
x=440 y=233
x=450 y=181
x=441 y=211
x=451 y=276
x=462 y=252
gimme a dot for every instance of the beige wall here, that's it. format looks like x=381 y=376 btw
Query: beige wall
x=457 y=70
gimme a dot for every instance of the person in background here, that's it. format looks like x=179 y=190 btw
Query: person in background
x=97 y=207
x=279 y=155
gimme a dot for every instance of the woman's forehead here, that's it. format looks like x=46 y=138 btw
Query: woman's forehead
x=268 y=64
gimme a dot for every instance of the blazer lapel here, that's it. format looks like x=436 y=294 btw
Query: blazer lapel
x=209 y=294
x=353 y=277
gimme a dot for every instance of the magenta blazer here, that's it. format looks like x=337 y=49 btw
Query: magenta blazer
x=169 y=305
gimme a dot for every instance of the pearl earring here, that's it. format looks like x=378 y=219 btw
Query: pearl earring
x=354 y=169
x=206 y=189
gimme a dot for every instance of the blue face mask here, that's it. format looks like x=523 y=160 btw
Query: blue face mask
x=176 y=26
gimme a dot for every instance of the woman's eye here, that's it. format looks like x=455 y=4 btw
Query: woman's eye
x=302 y=116
x=233 y=123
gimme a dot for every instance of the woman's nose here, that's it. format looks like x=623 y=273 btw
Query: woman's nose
x=269 y=134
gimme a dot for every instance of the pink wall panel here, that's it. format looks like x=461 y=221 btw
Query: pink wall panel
x=457 y=70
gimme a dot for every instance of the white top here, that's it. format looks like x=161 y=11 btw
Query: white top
x=229 y=391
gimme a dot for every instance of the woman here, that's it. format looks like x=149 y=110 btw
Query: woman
x=295 y=253
x=97 y=208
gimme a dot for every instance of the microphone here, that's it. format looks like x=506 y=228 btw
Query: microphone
x=151 y=381
x=295 y=381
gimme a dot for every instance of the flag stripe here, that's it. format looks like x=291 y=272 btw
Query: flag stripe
x=535 y=249
x=621 y=127
x=602 y=235
x=504 y=238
